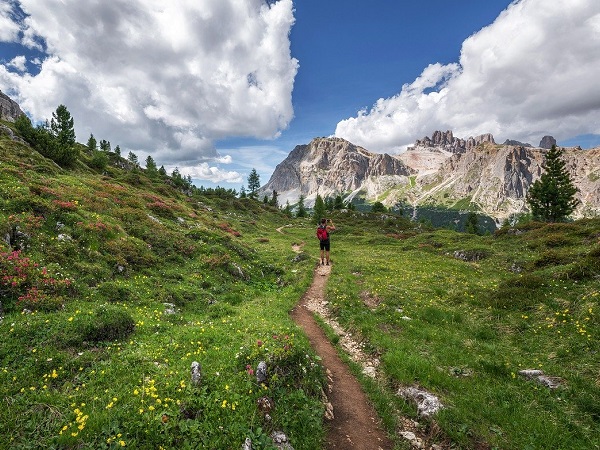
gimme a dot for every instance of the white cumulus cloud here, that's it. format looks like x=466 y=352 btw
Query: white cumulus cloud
x=156 y=77
x=532 y=72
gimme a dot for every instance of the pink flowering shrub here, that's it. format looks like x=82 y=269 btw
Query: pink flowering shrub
x=32 y=286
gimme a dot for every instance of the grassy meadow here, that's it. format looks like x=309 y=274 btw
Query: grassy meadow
x=113 y=283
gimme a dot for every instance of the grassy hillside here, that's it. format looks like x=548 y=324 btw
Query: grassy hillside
x=101 y=260
x=460 y=315
x=113 y=283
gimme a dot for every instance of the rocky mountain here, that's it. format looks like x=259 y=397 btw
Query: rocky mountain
x=9 y=109
x=332 y=166
x=441 y=170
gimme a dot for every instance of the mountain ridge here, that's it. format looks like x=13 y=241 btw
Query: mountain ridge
x=442 y=170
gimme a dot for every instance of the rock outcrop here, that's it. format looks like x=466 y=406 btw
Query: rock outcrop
x=9 y=109
x=332 y=166
x=547 y=142
x=513 y=142
x=445 y=140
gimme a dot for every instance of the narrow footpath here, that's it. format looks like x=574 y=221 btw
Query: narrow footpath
x=355 y=425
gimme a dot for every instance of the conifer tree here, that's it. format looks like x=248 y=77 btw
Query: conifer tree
x=288 y=209
x=62 y=147
x=273 y=201
x=319 y=211
x=301 y=209
x=92 y=144
x=253 y=184
x=118 y=150
x=472 y=223
x=552 y=197
x=151 y=168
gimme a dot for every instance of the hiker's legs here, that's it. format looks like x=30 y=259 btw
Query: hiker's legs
x=322 y=255
x=327 y=256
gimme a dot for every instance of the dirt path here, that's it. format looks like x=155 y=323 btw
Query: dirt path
x=355 y=423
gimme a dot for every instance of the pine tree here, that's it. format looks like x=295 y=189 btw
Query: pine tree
x=253 y=184
x=301 y=209
x=378 y=207
x=105 y=145
x=132 y=158
x=273 y=201
x=288 y=209
x=151 y=168
x=319 y=211
x=118 y=150
x=472 y=223
x=552 y=197
x=62 y=147
x=92 y=144
x=338 y=203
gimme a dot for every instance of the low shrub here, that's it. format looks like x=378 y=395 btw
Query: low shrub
x=106 y=323
x=517 y=293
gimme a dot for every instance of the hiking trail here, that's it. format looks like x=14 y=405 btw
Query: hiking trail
x=355 y=424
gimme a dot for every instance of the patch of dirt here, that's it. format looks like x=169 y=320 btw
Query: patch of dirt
x=370 y=300
x=355 y=424
x=297 y=247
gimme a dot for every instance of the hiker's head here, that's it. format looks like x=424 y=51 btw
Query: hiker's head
x=323 y=221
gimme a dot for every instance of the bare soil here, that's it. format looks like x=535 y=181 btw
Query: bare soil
x=355 y=424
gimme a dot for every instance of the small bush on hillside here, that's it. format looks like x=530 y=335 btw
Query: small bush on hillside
x=583 y=269
x=114 y=291
x=517 y=293
x=552 y=258
x=556 y=240
x=107 y=323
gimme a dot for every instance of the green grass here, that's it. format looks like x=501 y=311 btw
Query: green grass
x=476 y=324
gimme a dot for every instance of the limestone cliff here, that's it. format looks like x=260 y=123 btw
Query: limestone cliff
x=9 y=109
x=332 y=166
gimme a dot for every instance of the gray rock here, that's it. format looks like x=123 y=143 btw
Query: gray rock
x=281 y=441
x=261 y=373
x=547 y=142
x=247 y=444
x=196 y=373
x=427 y=403
x=542 y=378
x=9 y=109
x=169 y=309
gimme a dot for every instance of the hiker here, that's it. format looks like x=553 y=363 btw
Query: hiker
x=323 y=230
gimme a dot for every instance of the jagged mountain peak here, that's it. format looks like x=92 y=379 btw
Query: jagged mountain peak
x=329 y=166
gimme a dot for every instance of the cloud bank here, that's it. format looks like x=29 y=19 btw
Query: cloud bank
x=156 y=77
x=532 y=72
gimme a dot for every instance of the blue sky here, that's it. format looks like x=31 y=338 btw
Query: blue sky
x=217 y=87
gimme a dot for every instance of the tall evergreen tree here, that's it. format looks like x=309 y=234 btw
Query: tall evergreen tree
x=62 y=126
x=301 y=209
x=253 y=184
x=92 y=144
x=62 y=147
x=118 y=150
x=319 y=210
x=132 y=158
x=151 y=168
x=288 y=209
x=472 y=224
x=338 y=203
x=273 y=201
x=105 y=145
x=552 y=197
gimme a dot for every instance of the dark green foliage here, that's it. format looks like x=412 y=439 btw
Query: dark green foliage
x=151 y=168
x=105 y=145
x=319 y=210
x=519 y=293
x=472 y=225
x=132 y=158
x=300 y=208
x=253 y=184
x=552 y=197
x=378 y=207
x=99 y=160
x=92 y=144
x=107 y=323
x=338 y=203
